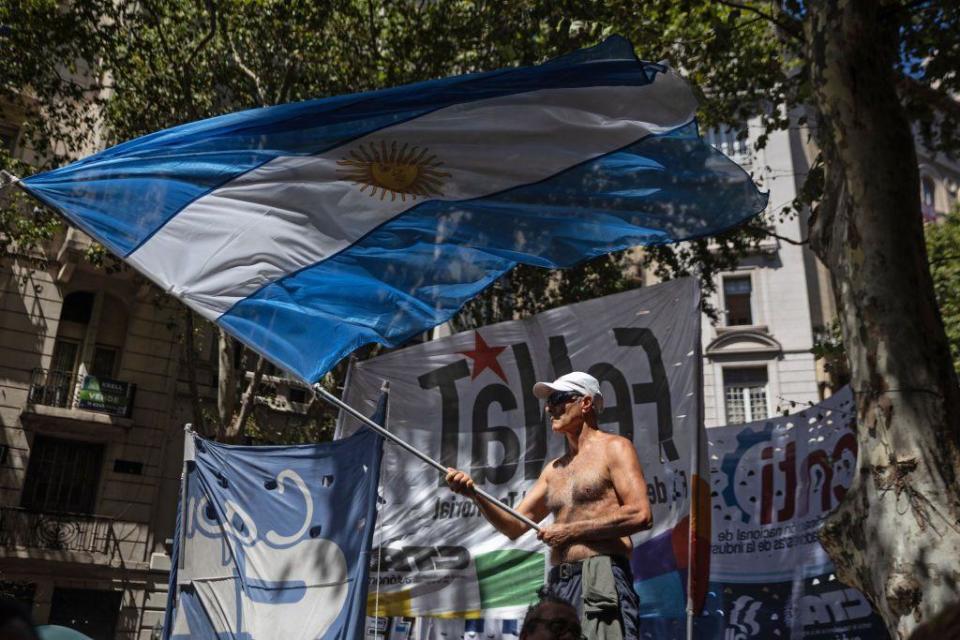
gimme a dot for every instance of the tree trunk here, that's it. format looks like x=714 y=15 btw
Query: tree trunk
x=236 y=431
x=226 y=382
x=896 y=535
x=190 y=359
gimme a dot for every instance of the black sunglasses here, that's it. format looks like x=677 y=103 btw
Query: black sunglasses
x=561 y=398
x=559 y=627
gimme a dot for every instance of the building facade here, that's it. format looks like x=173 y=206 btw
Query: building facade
x=758 y=357
x=778 y=302
x=90 y=442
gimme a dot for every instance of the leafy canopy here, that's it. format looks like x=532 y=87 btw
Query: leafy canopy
x=89 y=74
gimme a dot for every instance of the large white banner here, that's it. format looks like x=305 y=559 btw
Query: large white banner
x=467 y=401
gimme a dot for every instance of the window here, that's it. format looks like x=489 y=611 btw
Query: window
x=736 y=300
x=77 y=307
x=65 y=355
x=730 y=142
x=56 y=387
x=745 y=394
x=91 y=612
x=928 y=198
x=62 y=475
x=104 y=361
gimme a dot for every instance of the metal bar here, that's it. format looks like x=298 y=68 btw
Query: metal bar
x=334 y=400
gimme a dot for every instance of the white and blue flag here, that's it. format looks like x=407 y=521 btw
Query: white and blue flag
x=274 y=542
x=307 y=230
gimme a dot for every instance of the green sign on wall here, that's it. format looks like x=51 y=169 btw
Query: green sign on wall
x=107 y=396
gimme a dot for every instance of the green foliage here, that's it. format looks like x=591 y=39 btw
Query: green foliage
x=943 y=253
x=828 y=346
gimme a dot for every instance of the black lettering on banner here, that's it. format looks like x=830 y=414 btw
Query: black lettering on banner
x=391 y=559
x=620 y=411
x=658 y=389
x=484 y=434
x=421 y=557
x=559 y=358
x=446 y=379
x=416 y=558
x=534 y=420
x=451 y=558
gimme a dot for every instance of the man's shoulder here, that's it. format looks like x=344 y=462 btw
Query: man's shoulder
x=614 y=439
x=616 y=445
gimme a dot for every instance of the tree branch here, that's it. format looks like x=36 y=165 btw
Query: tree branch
x=943 y=259
x=212 y=10
x=287 y=84
x=909 y=88
x=239 y=426
x=791 y=29
x=770 y=234
x=247 y=71
x=227 y=380
x=907 y=8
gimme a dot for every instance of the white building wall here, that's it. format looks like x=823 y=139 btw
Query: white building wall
x=781 y=335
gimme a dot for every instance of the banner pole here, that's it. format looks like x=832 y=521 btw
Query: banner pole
x=695 y=494
x=334 y=400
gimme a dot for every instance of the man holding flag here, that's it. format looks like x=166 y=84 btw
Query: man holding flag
x=597 y=495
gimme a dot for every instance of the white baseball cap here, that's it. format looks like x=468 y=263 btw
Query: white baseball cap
x=577 y=381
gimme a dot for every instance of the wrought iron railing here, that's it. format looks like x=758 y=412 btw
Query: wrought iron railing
x=55 y=531
x=52 y=388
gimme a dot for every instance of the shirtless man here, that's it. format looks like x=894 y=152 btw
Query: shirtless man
x=598 y=498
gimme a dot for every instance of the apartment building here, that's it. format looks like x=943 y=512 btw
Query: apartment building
x=91 y=431
x=774 y=306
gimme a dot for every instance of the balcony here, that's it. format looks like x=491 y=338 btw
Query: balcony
x=56 y=532
x=67 y=390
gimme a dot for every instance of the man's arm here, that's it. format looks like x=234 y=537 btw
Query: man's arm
x=533 y=505
x=631 y=516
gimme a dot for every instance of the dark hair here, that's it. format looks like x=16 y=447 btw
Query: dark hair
x=544 y=596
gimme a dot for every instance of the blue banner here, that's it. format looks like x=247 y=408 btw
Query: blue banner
x=274 y=542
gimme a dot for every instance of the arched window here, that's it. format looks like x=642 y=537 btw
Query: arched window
x=89 y=341
x=75 y=316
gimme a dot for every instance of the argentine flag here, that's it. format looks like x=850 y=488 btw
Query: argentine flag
x=307 y=230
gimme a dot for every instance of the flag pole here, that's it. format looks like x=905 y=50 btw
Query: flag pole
x=334 y=400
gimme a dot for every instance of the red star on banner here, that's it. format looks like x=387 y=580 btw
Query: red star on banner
x=484 y=357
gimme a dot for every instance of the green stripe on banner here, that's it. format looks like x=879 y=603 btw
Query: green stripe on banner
x=509 y=578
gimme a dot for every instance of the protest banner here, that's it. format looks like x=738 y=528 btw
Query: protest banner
x=467 y=401
x=274 y=541
x=773 y=483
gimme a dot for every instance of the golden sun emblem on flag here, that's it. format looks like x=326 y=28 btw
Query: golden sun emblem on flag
x=407 y=171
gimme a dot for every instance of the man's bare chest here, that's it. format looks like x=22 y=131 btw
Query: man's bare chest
x=577 y=484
